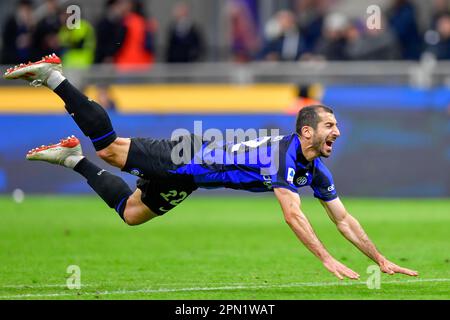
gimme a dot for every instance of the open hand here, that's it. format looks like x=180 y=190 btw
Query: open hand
x=340 y=270
x=391 y=268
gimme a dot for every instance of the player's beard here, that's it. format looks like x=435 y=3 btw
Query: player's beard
x=318 y=144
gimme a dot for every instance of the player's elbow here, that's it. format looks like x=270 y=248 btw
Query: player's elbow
x=344 y=224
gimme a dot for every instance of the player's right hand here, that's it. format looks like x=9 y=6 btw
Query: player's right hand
x=391 y=268
x=340 y=270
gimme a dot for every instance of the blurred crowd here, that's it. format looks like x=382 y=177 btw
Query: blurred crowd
x=310 y=30
x=125 y=35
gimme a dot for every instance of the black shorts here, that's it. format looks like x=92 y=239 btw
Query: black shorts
x=150 y=160
x=164 y=195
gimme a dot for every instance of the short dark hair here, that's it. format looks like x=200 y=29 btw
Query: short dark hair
x=308 y=116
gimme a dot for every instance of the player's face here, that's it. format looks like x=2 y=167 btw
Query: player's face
x=326 y=133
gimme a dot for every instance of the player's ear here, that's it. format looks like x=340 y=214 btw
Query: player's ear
x=307 y=131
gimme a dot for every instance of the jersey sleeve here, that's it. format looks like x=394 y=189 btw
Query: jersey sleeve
x=322 y=183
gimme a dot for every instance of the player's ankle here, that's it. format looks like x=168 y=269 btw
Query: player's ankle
x=72 y=161
x=55 y=79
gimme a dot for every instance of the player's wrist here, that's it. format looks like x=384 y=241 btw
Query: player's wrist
x=325 y=258
x=380 y=259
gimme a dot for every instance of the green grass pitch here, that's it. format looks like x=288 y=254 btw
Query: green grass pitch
x=215 y=248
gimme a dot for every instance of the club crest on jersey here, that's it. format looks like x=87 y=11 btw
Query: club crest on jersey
x=302 y=181
x=136 y=172
x=290 y=175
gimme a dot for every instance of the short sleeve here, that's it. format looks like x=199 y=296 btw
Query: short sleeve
x=322 y=183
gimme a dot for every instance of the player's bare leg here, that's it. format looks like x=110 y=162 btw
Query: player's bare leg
x=136 y=212
x=116 y=153
x=112 y=189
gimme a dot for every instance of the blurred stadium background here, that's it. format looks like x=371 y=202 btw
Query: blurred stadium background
x=160 y=65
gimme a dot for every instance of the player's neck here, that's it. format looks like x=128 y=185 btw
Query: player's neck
x=307 y=150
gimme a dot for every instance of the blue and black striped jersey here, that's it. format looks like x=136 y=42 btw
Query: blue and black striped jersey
x=258 y=166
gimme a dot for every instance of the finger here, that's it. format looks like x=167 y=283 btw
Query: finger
x=387 y=270
x=397 y=268
x=406 y=271
x=350 y=273
x=337 y=274
x=353 y=275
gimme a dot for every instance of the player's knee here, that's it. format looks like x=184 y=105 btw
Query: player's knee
x=136 y=213
x=131 y=217
x=107 y=154
x=116 y=153
x=110 y=153
x=131 y=221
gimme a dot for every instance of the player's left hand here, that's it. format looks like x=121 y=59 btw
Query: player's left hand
x=391 y=268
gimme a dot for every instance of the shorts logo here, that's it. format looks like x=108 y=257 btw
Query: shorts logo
x=302 y=181
x=331 y=188
x=290 y=175
x=135 y=172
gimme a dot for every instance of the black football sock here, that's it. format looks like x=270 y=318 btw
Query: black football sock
x=112 y=189
x=90 y=117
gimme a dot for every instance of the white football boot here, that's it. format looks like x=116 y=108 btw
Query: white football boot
x=65 y=153
x=36 y=73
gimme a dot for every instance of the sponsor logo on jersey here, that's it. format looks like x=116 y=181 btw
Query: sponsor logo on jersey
x=290 y=175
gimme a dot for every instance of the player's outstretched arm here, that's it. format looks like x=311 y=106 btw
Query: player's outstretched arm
x=290 y=204
x=352 y=230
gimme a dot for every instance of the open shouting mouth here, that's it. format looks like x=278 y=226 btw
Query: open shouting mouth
x=329 y=144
